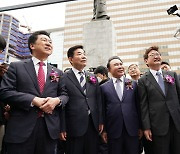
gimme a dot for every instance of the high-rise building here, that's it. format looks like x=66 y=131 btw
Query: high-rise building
x=139 y=24
x=17 y=42
x=57 y=36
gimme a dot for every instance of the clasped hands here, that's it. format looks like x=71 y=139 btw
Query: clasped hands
x=47 y=104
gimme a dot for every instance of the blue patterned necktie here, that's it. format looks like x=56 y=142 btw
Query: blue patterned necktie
x=82 y=81
x=160 y=81
x=119 y=89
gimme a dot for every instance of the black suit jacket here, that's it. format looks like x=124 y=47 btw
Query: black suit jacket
x=157 y=108
x=76 y=110
x=19 y=87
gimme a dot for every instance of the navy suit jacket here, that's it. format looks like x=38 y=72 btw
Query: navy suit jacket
x=157 y=108
x=76 y=110
x=118 y=113
x=19 y=87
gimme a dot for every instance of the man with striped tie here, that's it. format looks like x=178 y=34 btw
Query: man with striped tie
x=83 y=113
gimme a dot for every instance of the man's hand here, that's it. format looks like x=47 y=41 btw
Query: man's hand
x=104 y=137
x=140 y=133
x=3 y=69
x=63 y=136
x=37 y=101
x=101 y=127
x=148 y=134
x=50 y=104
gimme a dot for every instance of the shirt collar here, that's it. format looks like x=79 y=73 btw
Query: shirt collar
x=36 y=61
x=115 y=79
x=76 y=71
x=154 y=72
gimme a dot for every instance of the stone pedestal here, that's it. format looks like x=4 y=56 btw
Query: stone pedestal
x=99 y=41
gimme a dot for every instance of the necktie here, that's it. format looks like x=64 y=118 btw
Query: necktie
x=119 y=89
x=160 y=81
x=82 y=81
x=41 y=77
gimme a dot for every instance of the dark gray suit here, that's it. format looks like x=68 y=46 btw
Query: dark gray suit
x=159 y=112
x=77 y=120
x=19 y=87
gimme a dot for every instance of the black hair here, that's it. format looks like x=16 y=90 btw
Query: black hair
x=2 y=43
x=32 y=39
x=112 y=58
x=70 y=52
x=102 y=70
x=164 y=62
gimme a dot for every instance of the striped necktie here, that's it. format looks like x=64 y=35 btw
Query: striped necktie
x=41 y=76
x=82 y=81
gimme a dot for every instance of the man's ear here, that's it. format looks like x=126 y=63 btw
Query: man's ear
x=32 y=46
x=70 y=59
x=145 y=60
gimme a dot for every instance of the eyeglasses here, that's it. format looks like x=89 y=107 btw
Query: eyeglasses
x=154 y=55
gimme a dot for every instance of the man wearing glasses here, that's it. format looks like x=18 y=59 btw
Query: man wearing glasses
x=159 y=93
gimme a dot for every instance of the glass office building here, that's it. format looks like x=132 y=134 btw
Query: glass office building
x=17 y=42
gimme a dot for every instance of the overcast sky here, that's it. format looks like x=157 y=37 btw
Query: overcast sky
x=38 y=18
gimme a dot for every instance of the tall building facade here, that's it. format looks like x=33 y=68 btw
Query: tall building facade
x=139 y=24
x=17 y=42
x=57 y=36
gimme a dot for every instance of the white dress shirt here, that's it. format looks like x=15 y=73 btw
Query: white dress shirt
x=76 y=72
x=36 y=66
x=154 y=74
x=121 y=83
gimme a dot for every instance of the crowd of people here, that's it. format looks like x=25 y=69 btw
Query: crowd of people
x=46 y=111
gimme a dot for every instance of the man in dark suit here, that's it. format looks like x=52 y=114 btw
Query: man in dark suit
x=34 y=91
x=159 y=93
x=122 y=123
x=83 y=113
x=3 y=69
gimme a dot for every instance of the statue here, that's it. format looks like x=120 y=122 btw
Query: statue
x=99 y=11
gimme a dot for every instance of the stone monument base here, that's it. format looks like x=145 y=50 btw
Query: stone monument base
x=99 y=41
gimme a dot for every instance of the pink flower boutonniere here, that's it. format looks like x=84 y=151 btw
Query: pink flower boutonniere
x=91 y=79
x=128 y=84
x=54 y=76
x=169 y=79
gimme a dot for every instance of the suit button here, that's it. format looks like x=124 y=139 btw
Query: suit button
x=86 y=98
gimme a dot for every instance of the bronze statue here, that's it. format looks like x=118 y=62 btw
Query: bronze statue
x=100 y=10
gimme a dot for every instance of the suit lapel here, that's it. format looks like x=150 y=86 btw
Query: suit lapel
x=125 y=89
x=165 y=83
x=48 y=80
x=87 y=82
x=29 y=66
x=73 y=78
x=151 y=78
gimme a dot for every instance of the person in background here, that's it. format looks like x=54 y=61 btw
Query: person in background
x=159 y=94
x=122 y=123
x=165 y=66
x=101 y=73
x=134 y=72
x=3 y=107
x=83 y=112
x=34 y=90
